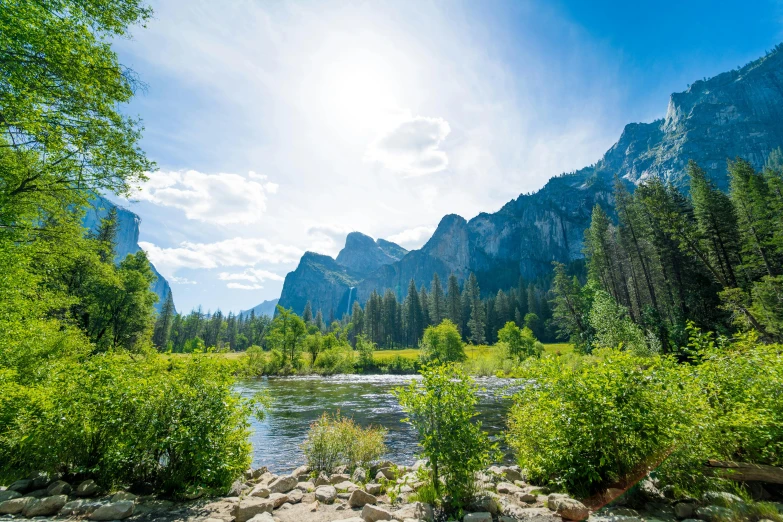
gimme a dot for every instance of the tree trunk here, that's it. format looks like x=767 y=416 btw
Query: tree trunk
x=745 y=472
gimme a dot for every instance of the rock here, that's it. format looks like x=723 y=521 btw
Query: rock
x=249 y=507
x=346 y=485
x=352 y=519
x=263 y=517
x=39 y=480
x=553 y=499
x=372 y=488
x=511 y=473
x=301 y=472
x=114 y=511
x=414 y=511
x=336 y=478
x=385 y=472
x=325 y=494
x=322 y=480
x=283 y=484
x=649 y=492
x=683 y=510
x=46 y=506
x=721 y=498
x=359 y=476
x=340 y=507
x=421 y=463
x=123 y=495
x=614 y=495
x=372 y=513
x=236 y=489
x=278 y=499
x=571 y=509
x=505 y=487
x=260 y=491
x=295 y=496
x=380 y=476
x=21 y=486
x=525 y=496
x=8 y=495
x=343 y=496
x=359 y=498
x=79 y=507
x=15 y=505
x=266 y=478
x=59 y=487
x=713 y=513
x=38 y=493
x=313 y=507
x=485 y=502
x=88 y=488
x=478 y=517
x=305 y=487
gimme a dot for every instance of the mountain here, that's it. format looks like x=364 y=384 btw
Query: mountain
x=329 y=283
x=126 y=238
x=735 y=114
x=265 y=308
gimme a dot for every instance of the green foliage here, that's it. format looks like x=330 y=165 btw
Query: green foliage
x=334 y=440
x=442 y=344
x=365 y=349
x=442 y=408
x=286 y=334
x=613 y=327
x=521 y=343
x=591 y=420
x=339 y=358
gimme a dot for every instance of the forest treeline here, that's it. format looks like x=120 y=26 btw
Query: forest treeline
x=672 y=259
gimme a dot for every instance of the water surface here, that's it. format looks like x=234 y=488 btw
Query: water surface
x=298 y=401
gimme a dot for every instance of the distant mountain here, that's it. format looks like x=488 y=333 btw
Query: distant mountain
x=329 y=284
x=265 y=308
x=735 y=114
x=126 y=238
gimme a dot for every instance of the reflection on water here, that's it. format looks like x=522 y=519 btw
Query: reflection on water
x=298 y=401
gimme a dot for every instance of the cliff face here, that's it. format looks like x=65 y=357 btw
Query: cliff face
x=363 y=255
x=126 y=238
x=266 y=308
x=735 y=114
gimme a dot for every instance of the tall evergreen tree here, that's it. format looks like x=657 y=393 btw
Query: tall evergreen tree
x=477 y=321
x=454 y=303
x=307 y=315
x=437 y=304
x=163 y=324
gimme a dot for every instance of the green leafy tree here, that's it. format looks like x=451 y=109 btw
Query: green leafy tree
x=365 y=349
x=477 y=321
x=442 y=408
x=521 y=343
x=286 y=334
x=571 y=308
x=442 y=344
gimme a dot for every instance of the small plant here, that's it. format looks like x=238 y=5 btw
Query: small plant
x=335 y=440
x=442 y=408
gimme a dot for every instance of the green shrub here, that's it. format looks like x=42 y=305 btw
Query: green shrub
x=147 y=424
x=335 y=440
x=442 y=408
x=338 y=359
x=442 y=344
x=399 y=365
x=582 y=423
x=520 y=343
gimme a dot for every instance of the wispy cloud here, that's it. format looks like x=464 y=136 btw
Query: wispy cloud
x=413 y=237
x=222 y=198
x=412 y=146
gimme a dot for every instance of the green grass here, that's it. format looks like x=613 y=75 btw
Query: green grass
x=473 y=352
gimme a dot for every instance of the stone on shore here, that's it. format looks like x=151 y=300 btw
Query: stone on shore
x=263 y=517
x=346 y=485
x=478 y=517
x=123 y=495
x=114 y=511
x=571 y=509
x=373 y=489
x=305 y=487
x=414 y=511
x=283 y=484
x=59 y=487
x=505 y=487
x=301 y=472
x=372 y=513
x=44 y=507
x=359 y=476
x=322 y=480
x=8 y=495
x=295 y=496
x=15 y=505
x=336 y=478
x=325 y=494
x=21 y=486
x=88 y=488
x=249 y=507
x=359 y=498
x=260 y=491
x=79 y=507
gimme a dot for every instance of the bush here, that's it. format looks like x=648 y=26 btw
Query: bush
x=335 y=440
x=147 y=424
x=583 y=423
x=520 y=343
x=442 y=408
x=399 y=365
x=338 y=359
x=442 y=344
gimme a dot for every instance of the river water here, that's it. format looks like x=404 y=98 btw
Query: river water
x=298 y=401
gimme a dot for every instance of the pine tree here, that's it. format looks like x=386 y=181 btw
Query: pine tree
x=454 y=303
x=413 y=315
x=477 y=321
x=571 y=309
x=437 y=304
x=319 y=321
x=163 y=324
x=307 y=315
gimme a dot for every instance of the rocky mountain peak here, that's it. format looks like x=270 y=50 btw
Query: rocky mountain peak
x=362 y=254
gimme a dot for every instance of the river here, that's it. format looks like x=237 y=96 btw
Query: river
x=298 y=401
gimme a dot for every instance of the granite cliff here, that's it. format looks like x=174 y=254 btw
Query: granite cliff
x=734 y=114
x=126 y=238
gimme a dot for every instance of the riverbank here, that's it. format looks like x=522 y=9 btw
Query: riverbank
x=384 y=492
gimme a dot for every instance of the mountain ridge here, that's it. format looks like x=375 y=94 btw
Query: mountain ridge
x=737 y=113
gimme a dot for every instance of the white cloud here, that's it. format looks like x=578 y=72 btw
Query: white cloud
x=237 y=251
x=412 y=146
x=412 y=237
x=327 y=238
x=240 y=286
x=182 y=280
x=215 y=198
x=254 y=275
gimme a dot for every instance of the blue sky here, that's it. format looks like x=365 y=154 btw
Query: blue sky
x=279 y=127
